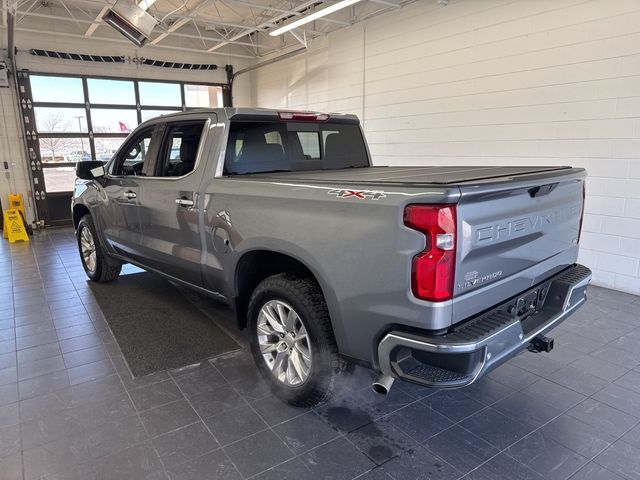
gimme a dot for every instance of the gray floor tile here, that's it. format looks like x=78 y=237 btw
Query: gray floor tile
x=8 y=375
x=82 y=357
x=168 y=417
x=155 y=395
x=213 y=465
x=522 y=407
x=593 y=471
x=235 y=424
x=305 y=432
x=90 y=371
x=217 y=401
x=184 y=444
x=40 y=352
x=580 y=437
x=293 y=469
x=419 y=421
x=273 y=411
x=496 y=428
x=11 y=467
x=553 y=394
x=38 y=368
x=513 y=376
x=503 y=467
x=461 y=449
x=632 y=437
x=381 y=441
x=621 y=398
x=420 y=463
x=487 y=391
x=258 y=452
x=578 y=380
x=337 y=459
x=604 y=418
x=10 y=441
x=8 y=393
x=622 y=459
x=200 y=381
x=453 y=404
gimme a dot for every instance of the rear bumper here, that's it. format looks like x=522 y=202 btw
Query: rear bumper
x=478 y=345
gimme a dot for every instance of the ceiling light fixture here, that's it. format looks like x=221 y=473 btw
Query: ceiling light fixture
x=145 y=4
x=314 y=16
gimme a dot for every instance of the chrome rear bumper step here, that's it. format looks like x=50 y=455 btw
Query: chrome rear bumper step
x=480 y=344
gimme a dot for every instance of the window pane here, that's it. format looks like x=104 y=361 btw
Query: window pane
x=182 y=144
x=64 y=149
x=310 y=143
x=147 y=114
x=59 y=179
x=160 y=94
x=53 y=120
x=202 y=96
x=131 y=160
x=56 y=89
x=105 y=120
x=106 y=147
x=111 y=92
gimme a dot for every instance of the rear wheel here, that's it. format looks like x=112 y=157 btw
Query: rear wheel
x=97 y=265
x=292 y=341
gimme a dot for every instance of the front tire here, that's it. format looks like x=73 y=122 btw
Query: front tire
x=292 y=341
x=97 y=265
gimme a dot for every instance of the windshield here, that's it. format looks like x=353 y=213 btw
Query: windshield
x=257 y=147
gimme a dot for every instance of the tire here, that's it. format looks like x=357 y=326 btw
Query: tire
x=100 y=268
x=304 y=297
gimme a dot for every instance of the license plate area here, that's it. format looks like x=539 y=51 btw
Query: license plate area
x=527 y=304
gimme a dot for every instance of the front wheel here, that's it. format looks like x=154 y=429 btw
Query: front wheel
x=292 y=341
x=97 y=265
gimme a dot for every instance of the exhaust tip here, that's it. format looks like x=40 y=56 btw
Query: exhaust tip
x=383 y=384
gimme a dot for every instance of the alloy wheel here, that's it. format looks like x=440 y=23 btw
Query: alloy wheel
x=284 y=342
x=88 y=249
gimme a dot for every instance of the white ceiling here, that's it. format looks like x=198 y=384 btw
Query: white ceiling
x=236 y=28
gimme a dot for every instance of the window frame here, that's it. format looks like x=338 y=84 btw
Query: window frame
x=164 y=144
x=117 y=159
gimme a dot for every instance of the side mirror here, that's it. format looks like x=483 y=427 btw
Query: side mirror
x=90 y=170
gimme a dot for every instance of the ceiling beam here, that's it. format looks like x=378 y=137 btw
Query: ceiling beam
x=181 y=22
x=127 y=42
x=388 y=3
x=263 y=25
x=176 y=34
x=92 y=28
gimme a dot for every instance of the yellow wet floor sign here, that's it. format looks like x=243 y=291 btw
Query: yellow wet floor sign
x=13 y=226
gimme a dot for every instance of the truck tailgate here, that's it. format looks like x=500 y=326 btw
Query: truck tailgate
x=509 y=227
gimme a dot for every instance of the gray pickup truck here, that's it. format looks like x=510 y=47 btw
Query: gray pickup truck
x=433 y=275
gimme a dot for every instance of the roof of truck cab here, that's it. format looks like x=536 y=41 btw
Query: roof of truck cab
x=246 y=113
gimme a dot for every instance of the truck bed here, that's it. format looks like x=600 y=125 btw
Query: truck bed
x=430 y=175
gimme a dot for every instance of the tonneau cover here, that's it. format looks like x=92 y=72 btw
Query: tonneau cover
x=429 y=175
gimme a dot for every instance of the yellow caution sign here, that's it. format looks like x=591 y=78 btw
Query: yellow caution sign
x=13 y=226
x=16 y=202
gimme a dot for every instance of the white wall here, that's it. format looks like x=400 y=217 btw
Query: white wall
x=11 y=140
x=495 y=82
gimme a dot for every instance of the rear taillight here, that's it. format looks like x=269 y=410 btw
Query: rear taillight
x=434 y=268
x=584 y=195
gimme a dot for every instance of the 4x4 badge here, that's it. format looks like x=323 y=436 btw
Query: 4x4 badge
x=359 y=194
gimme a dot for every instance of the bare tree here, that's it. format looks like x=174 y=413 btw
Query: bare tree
x=54 y=122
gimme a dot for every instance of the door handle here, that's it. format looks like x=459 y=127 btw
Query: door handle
x=184 y=202
x=130 y=195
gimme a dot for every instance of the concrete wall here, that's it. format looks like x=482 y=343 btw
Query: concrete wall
x=11 y=141
x=494 y=82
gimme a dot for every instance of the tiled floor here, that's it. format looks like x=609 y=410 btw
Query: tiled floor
x=69 y=409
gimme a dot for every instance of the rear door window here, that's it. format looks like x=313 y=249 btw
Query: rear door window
x=258 y=147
